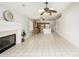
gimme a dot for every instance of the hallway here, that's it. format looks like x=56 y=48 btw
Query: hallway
x=43 y=45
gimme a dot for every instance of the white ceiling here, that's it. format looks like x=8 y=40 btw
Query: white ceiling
x=31 y=9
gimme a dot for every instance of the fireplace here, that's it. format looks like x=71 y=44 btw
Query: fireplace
x=7 y=41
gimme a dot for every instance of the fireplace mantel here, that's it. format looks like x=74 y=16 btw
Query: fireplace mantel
x=8 y=28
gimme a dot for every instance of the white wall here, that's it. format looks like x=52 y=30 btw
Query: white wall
x=18 y=18
x=68 y=25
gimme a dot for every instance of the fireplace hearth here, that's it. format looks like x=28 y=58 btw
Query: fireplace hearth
x=6 y=42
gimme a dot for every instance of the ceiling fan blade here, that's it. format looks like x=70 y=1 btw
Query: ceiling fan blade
x=53 y=11
x=42 y=13
x=47 y=10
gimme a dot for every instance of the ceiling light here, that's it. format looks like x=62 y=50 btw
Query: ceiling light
x=48 y=11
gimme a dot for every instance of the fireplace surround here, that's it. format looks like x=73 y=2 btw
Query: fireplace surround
x=7 y=41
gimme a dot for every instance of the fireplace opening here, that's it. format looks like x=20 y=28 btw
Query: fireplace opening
x=6 y=42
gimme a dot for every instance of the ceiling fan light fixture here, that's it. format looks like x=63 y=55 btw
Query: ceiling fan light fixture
x=48 y=11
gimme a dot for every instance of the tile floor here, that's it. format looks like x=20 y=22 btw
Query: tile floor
x=42 y=46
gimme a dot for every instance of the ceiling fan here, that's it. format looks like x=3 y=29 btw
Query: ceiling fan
x=47 y=10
